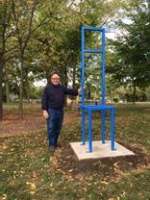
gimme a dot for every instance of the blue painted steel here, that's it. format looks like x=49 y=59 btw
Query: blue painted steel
x=82 y=87
x=100 y=51
x=92 y=51
x=103 y=66
x=90 y=108
x=90 y=129
x=103 y=126
x=112 y=127
x=90 y=28
x=83 y=126
x=102 y=108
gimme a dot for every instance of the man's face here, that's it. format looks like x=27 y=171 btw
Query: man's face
x=55 y=79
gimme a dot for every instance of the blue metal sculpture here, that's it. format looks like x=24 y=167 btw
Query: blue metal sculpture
x=102 y=107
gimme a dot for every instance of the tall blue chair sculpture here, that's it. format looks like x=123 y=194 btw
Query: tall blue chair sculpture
x=85 y=108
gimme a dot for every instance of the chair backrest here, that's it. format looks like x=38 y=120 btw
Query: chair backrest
x=97 y=51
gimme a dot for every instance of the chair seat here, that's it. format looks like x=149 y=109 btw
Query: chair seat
x=90 y=109
x=97 y=107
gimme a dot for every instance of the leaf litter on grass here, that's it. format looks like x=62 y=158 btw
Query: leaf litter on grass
x=27 y=159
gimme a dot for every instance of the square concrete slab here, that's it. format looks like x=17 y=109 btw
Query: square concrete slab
x=99 y=150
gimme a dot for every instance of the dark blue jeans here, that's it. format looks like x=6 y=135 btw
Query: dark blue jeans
x=54 y=124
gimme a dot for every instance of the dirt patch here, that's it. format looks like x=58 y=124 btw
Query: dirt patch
x=65 y=160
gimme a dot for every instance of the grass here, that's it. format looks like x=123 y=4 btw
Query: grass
x=27 y=172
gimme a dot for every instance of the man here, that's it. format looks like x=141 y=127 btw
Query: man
x=53 y=101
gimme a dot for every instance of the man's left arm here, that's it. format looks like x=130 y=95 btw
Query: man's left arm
x=70 y=91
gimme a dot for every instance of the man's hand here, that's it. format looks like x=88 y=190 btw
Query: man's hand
x=45 y=114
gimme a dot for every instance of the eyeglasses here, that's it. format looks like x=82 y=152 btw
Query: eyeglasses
x=55 y=78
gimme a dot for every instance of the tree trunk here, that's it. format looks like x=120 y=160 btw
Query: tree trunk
x=2 y=51
x=1 y=93
x=134 y=93
x=21 y=90
x=28 y=89
x=7 y=92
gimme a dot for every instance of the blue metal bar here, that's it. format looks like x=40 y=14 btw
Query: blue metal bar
x=90 y=129
x=92 y=51
x=82 y=87
x=112 y=129
x=103 y=126
x=82 y=66
x=90 y=28
x=103 y=67
x=83 y=125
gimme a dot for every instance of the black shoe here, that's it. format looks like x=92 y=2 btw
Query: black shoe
x=52 y=148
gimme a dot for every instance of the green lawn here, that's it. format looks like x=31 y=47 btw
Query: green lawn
x=27 y=171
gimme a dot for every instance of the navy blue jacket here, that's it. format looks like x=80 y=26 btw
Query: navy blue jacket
x=54 y=96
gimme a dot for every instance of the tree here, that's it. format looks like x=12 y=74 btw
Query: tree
x=132 y=66
x=47 y=35
x=5 y=52
x=26 y=22
x=23 y=33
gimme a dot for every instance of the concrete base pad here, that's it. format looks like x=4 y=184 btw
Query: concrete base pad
x=99 y=150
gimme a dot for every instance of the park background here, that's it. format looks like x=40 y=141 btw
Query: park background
x=39 y=37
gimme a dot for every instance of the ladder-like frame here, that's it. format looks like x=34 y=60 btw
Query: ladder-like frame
x=90 y=108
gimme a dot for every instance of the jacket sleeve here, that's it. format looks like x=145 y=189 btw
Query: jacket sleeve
x=44 y=100
x=69 y=91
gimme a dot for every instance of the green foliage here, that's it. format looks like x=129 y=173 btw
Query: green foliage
x=45 y=36
x=132 y=65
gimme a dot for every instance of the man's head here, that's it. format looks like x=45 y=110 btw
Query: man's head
x=55 y=78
